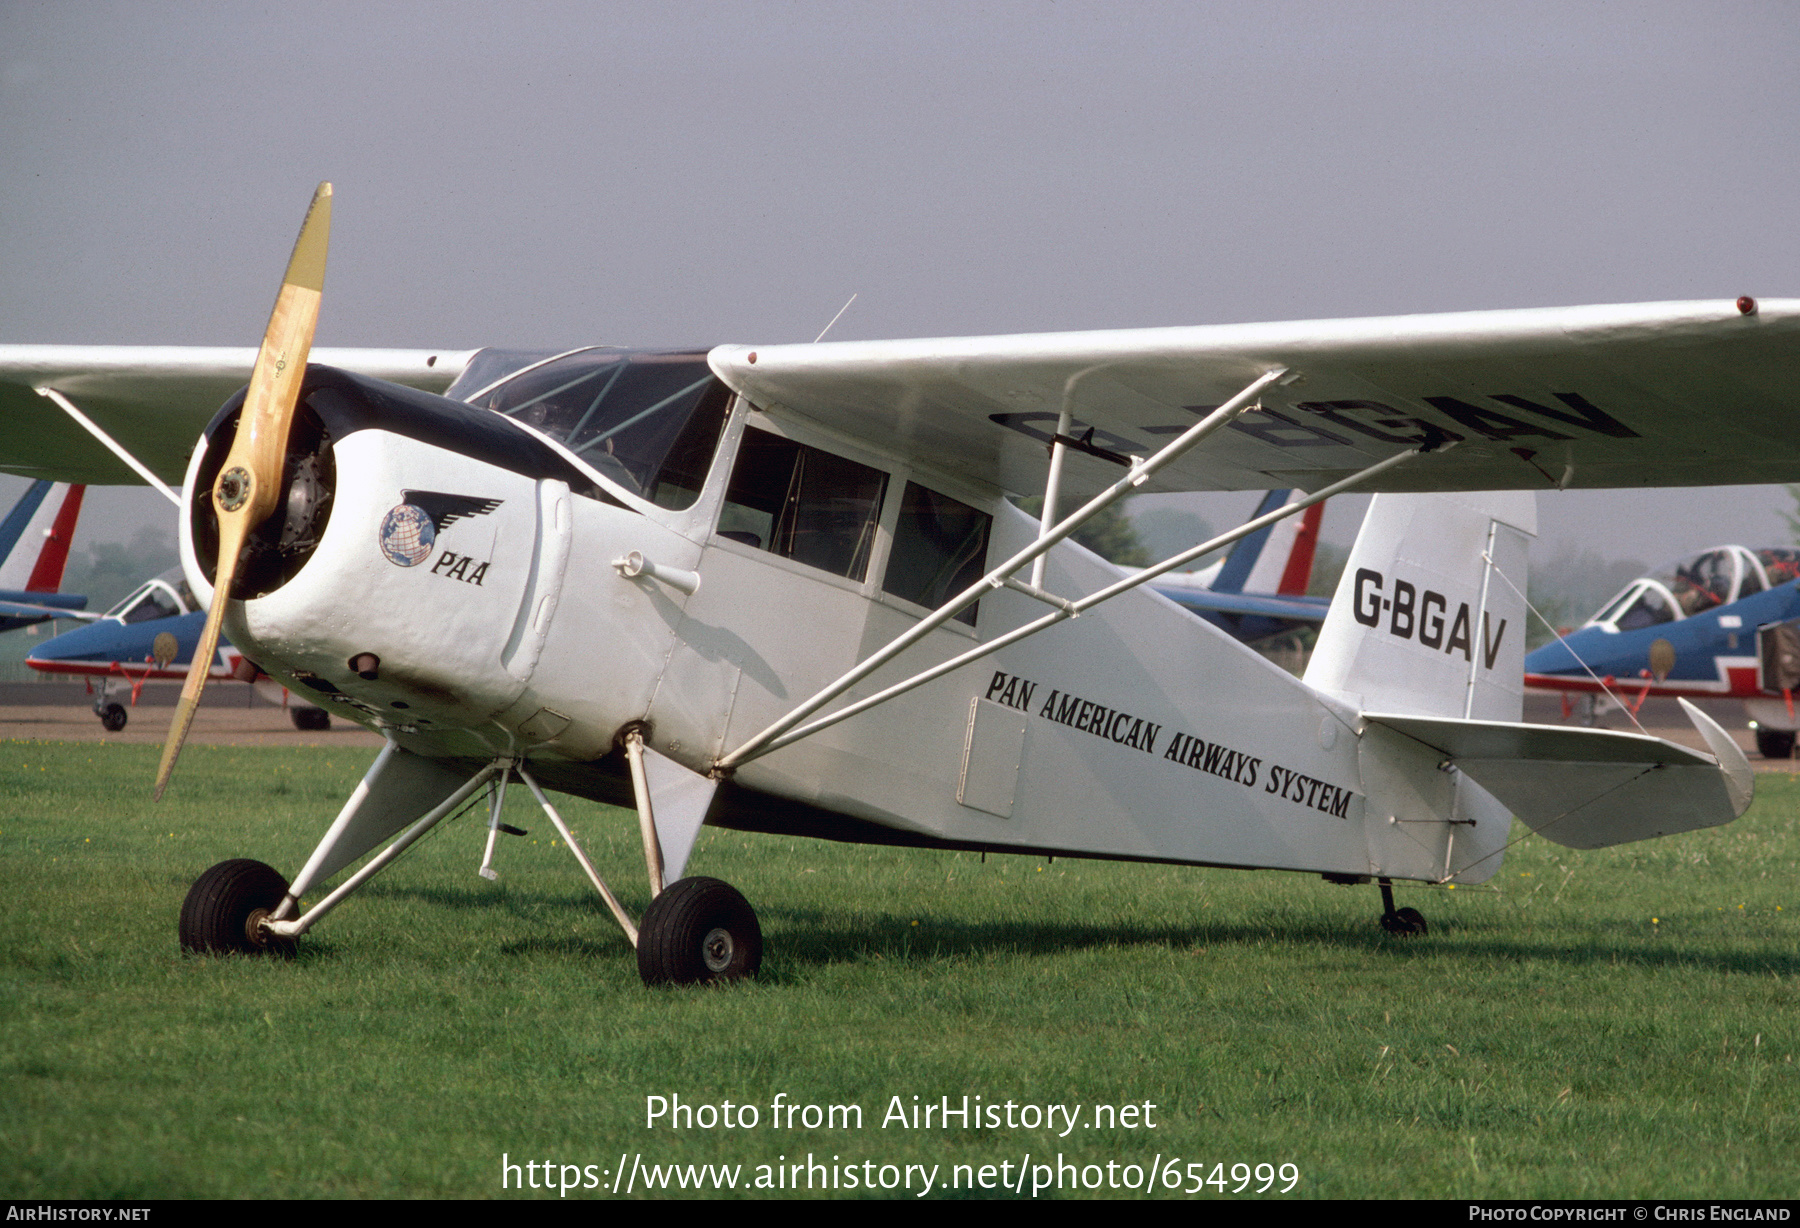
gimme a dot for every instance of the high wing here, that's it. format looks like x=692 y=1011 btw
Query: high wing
x=154 y=400
x=1698 y=393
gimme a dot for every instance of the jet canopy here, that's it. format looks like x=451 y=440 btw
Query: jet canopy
x=1707 y=580
x=164 y=597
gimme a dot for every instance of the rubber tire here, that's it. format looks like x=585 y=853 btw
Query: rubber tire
x=216 y=914
x=113 y=717
x=310 y=720
x=673 y=940
x=1775 y=743
x=1404 y=923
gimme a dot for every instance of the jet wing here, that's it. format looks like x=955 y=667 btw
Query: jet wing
x=154 y=400
x=32 y=609
x=1298 y=609
x=1699 y=393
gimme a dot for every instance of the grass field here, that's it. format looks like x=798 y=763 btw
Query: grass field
x=1607 y=1024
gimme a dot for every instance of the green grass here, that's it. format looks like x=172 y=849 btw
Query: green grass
x=1603 y=1024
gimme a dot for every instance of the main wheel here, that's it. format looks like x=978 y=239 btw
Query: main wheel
x=112 y=717
x=223 y=906
x=699 y=929
x=1404 y=922
x=1775 y=743
x=310 y=720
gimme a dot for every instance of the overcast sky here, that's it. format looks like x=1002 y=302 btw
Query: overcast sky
x=553 y=174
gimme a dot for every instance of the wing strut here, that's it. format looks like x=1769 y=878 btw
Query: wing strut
x=114 y=446
x=1141 y=472
x=784 y=731
x=1066 y=609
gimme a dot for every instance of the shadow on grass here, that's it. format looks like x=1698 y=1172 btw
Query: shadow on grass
x=811 y=937
x=495 y=897
x=614 y=947
x=485 y=898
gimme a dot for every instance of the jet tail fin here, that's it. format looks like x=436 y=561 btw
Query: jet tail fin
x=35 y=536
x=1277 y=558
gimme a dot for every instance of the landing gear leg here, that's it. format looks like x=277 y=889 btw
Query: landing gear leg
x=696 y=930
x=1402 y=923
x=112 y=715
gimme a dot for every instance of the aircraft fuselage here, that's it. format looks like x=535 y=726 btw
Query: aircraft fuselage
x=464 y=595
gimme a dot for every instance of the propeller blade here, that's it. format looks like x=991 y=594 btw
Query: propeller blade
x=249 y=483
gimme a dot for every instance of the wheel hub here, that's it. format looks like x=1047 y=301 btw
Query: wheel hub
x=716 y=949
x=253 y=927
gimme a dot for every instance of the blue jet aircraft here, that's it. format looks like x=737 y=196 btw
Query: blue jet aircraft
x=150 y=636
x=1724 y=623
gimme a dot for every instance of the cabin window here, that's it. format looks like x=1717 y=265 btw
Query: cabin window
x=803 y=504
x=648 y=420
x=1613 y=608
x=940 y=548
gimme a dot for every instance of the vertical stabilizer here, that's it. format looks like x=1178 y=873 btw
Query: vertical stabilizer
x=1277 y=558
x=35 y=536
x=1429 y=618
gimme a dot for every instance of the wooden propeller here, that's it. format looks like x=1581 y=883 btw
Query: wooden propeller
x=249 y=482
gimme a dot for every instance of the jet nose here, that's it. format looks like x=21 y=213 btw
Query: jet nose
x=93 y=640
x=1572 y=654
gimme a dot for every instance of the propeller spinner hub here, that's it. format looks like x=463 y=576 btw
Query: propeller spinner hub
x=233 y=488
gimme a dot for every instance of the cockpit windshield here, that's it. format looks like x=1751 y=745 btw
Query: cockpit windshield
x=648 y=420
x=163 y=597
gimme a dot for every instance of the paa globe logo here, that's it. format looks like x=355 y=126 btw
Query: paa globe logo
x=407 y=536
x=409 y=531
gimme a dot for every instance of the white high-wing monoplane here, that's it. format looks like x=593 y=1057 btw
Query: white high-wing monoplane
x=781 y=588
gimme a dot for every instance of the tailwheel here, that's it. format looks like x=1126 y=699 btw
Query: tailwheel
x=224 y=909
x=1400 y=922
x=699 y=930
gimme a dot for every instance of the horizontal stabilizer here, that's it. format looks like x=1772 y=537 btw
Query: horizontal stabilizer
x=1591 y=788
